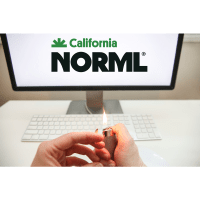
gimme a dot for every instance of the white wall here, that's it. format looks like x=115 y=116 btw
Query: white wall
x=187 y=85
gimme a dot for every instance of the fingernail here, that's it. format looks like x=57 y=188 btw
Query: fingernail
x=98 y=165
x=111 y=165
x=96 y=131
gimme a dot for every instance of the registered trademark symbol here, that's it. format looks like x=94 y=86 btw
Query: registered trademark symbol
x=143 y=53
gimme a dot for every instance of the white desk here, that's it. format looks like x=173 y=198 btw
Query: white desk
x=178 y=122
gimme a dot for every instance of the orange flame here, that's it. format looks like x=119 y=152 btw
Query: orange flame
x=104 y=118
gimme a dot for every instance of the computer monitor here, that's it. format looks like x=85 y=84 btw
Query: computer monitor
x=92 y=63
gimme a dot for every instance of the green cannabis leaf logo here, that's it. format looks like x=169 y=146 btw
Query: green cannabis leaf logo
x=59 y=43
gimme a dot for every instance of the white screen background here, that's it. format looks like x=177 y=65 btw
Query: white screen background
x=31 y=59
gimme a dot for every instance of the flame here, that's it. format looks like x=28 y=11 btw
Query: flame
x=104 y=118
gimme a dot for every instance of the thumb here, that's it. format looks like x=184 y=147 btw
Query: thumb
x=94 y=164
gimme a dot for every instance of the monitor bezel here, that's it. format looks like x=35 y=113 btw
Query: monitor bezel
x=89 y=88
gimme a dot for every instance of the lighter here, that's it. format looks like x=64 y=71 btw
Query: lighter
x=110 y=141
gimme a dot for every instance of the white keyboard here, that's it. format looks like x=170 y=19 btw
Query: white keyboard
x=48 y=127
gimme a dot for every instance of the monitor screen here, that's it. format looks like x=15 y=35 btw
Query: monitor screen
x=92 y=61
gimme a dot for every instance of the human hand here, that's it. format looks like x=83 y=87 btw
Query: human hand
x=57 y=152
x=126 y=152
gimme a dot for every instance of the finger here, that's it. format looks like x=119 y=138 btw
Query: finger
x=108 y=163
x=95 y=164
x=98 y=145
x=122 y=133
x=103 y=153
x=68 y=140
x=74 y=161
x=83 y=150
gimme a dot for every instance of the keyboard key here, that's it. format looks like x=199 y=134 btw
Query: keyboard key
x=136 y=126
x=71 y=119
x=150 y=130
x=121 y=118
x=57 y=123
x=151 y=121
x=134 y=118
x=142 y=135
x=35 y=137
x=46 y=132
x=68 y=123
x=44 y=119
x=62 y=127
x=144 y=130
x=146 y=121
x=40 y=123
x=148 y=125
x=85 y=123
x=126 y=118
x=142 y=126
x=68 y=127
x=115 y=118
x=40 y=132
x=55 y=119
x=52 y=137
x=32 y=127
x=151 y=135
x=155 y=130
x=51 y=127
x=127 y=122
x=153 y=125
x=80 y=127
x=33 y=123
x=91 y=123
x=45 y=123
x=27 y=137
x=51 y=123
x=64 y=132
x=45 y=127
x=43 y=137
x=135 y=122
x=140 y=121
x=138 y=130
x=52 y=132
x=139 y=118
x=31 y=132
x=66 y=119
x=86 y=127
x=40 y=127
x=39 y=119
x=58 y=132
x=92 y=128
x=34 y=119
x=57 y=127
x=60 y=119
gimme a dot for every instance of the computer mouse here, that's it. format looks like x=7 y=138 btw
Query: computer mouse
x=151 y=158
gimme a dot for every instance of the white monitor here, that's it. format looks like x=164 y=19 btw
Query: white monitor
x=92 y=61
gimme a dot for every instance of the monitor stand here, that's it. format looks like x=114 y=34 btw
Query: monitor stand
x=94 y=104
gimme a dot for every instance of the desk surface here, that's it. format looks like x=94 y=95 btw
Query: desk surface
x=178 y=122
